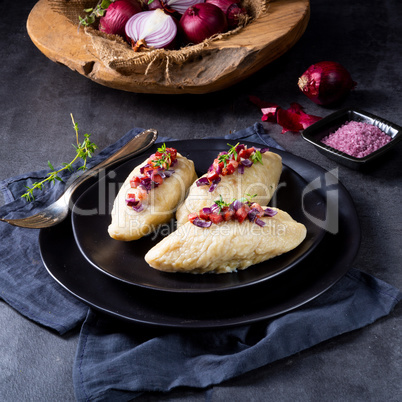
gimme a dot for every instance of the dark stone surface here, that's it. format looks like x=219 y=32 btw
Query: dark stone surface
x=36 y=99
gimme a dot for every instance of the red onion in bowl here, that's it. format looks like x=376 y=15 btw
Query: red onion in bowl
x=154 y=4
x=201 y=21
x=151 y=29
x=117 y=15
x=234 y=13
x=171 y=6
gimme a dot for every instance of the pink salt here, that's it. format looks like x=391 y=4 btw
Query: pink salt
x=357 y=139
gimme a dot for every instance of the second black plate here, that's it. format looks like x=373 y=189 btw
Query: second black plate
x=125 y=260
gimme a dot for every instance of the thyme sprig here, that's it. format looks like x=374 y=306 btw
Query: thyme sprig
x=83 y=150
x=256 y=157
x=164 y=160
x=221 y=203
x=227 y=156
x=247 y=199
x=95 y=12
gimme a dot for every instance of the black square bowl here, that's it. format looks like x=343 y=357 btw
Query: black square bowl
x=329 y=124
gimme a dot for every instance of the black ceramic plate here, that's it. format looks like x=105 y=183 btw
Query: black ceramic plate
x=314 y=275
x=125 y=260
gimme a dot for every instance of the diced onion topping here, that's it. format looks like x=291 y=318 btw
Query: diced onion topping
x=238 y=210
x=152 y=174
x=237 y=158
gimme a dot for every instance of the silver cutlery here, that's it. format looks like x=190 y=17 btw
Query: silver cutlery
x=58 y=211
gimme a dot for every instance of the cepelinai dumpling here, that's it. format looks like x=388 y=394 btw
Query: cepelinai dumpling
x=239 y=171
x=227 y=240
x=150 y=194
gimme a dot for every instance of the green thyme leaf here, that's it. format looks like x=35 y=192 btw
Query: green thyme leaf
x=256 y=157
x=95 y=12
x=221 y=203
x=83 y=151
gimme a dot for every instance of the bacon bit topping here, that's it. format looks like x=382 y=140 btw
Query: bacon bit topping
x=152 y=174
x=238 y=157
x=238 y=210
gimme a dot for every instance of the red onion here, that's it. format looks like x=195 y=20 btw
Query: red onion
x=171 y=6
x=231 y=9
x=326 y=82
x=201 y=21
x=151 y=29
x=154 y=5
x=117 y=14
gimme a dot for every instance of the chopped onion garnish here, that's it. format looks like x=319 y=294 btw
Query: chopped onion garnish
x=237 y=204
x=201 y=223
x=263 y=150
x=214 y=184
x=214 y=208
x=203 y=181
x=252 y=215
x=134 y=204
x=138 y=208
x=246 y=162
x=146 y=184
x=240 y=168
x=259 y=222
x=270 y=212
x=142 y=169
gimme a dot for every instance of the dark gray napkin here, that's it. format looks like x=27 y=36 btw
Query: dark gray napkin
x=114 y=362
x=118 y=364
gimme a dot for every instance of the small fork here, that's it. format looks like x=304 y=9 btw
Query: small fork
x=58 y=211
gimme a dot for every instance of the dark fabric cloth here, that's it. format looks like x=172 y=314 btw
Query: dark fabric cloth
x=24 y=282
x=114 y=362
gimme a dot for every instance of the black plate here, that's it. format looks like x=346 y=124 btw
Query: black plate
x=125 y=260
x=314 y=275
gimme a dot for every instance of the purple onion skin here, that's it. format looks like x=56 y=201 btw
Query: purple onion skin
x=117 y=14
x=201 y=21
x=326 y=82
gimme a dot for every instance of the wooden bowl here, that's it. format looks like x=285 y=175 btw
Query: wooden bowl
x=220 y=64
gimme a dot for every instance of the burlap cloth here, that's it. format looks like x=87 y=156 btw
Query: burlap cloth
x=117 y=54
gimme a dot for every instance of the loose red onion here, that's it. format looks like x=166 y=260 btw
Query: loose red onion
x=151 y=29
x=117 y=14
x=326 y=82
x=201 y=21
x=231 y=9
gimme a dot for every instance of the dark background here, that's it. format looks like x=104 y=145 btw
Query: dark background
x=37 y=97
